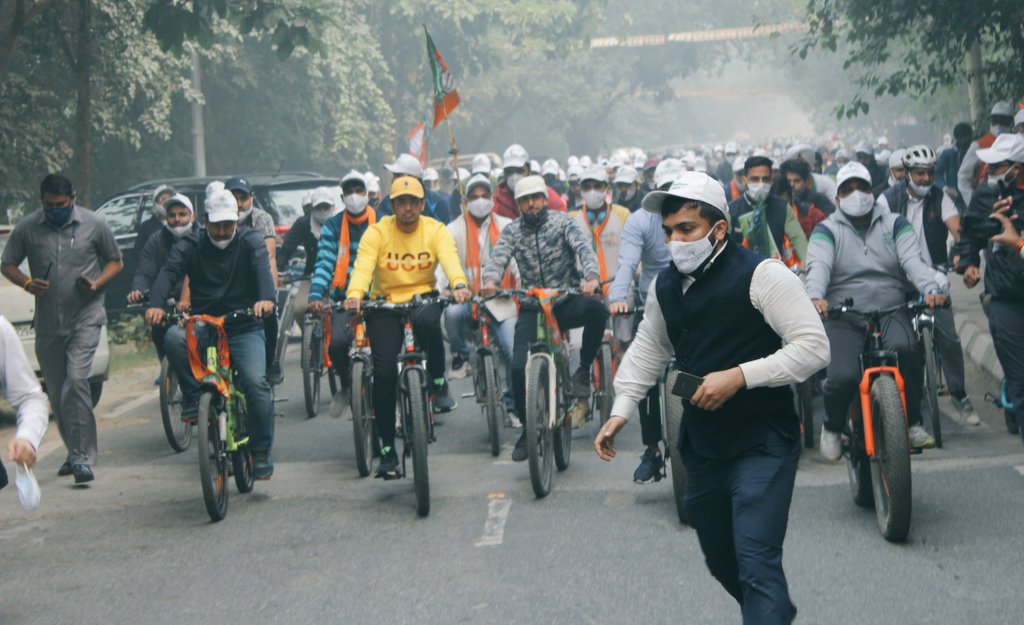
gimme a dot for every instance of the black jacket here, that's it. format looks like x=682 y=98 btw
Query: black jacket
x=1004 y=268
x=300 y=234
x=154 y=255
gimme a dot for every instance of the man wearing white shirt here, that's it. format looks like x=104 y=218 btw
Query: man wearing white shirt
x=21 y=388
x=747 y=327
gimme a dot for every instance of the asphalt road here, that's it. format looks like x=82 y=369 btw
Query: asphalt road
x=318 y=544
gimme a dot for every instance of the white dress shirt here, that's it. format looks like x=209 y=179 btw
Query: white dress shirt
x=21 y=388
x=780 y=297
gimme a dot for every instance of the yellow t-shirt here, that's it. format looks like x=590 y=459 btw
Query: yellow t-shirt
x=401 y=265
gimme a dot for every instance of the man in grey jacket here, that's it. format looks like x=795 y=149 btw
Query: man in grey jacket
x=546 y=245
x=870 y=255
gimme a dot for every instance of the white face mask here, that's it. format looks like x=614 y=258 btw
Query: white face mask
x=512 y=181
x=688 y=256
x=243 y=215
x=320 y=216
x=222 y=244
x=28 y=487
x=355 y=203
x=996 y=130
x=857 y=204
x=480 y=207
x=159 y=211
x=594 y=199
x=757 y=192
x=919 y=190
x=179 y=231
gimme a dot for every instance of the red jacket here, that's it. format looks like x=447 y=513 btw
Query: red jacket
x=505 y=205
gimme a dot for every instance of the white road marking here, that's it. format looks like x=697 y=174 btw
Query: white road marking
x=497 y=514
x=1020 y=468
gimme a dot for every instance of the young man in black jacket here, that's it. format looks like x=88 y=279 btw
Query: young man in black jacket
x=228 y=269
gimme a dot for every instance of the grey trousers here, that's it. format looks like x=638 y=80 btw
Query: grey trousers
x=66 y=361
x=948 y=343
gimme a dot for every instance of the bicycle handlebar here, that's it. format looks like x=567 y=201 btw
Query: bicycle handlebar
x=414 y=303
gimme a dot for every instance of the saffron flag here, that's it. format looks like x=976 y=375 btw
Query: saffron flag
x=418 y=143
x=446 y=98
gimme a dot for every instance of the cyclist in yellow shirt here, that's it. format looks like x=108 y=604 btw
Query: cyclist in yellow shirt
x=399 y=255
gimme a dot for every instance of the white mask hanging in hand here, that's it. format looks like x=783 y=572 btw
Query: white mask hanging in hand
x=857 y=204
x=28 y=488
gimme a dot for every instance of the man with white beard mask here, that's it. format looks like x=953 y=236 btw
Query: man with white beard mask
x=335 y=255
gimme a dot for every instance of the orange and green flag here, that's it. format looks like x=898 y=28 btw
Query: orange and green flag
x=446 y=98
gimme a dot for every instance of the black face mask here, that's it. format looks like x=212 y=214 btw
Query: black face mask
x=535 y=220
x=801 y=195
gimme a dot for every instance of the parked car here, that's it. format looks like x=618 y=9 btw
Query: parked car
x=19 y=307
x=278 y=194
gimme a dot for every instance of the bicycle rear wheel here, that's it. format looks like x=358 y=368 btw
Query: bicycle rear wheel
x=890 y=468
x=492 y=402
x=417 y=430
x=539 y=438
x=177 y=431
x=213 y=460
x=311 y=354
x=603 y=392
x=931 y=383
x=362 y=417
x=673 y=418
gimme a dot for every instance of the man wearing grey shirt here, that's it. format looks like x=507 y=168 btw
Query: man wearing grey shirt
x=71 y=255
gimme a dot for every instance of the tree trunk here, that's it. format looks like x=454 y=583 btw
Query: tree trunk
x=83 y=104
x=976 y=87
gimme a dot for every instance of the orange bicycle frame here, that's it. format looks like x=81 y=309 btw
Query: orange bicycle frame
x=865 y=402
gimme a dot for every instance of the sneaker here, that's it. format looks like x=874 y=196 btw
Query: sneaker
x=190 y=413
x=340 y=402
x=920 y=438
x=581 y=383
x=441 y=399
x=388 y=467
x=650 y=469
x=519 y=453
x=275 y=375
x=460 y=366
x=831 y=445
x=262 y=465
x=966 y=410
x=578 y=414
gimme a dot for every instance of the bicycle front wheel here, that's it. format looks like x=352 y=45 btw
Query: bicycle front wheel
x=241 y=458
x=805 y=406
x=539 y=438
x=177 y=431
x=213 y=459
x=890 y=468
x=492 y=402
x=417 y=428
x=311 y=350
x=603 y=383
x=362 y=417
x=673 y=419
x=931 y=383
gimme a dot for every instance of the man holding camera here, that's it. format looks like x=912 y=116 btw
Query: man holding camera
x=992 y=225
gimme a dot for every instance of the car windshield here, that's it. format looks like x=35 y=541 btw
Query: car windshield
x=121 y=213
x=289 y=202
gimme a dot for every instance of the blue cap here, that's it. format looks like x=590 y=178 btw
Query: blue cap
x=238 y=183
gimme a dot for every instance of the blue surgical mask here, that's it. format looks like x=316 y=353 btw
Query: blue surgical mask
x=58 y=216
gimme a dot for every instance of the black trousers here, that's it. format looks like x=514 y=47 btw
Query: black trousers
x=649 y=406
x=341 y=341
x=574 y=311
x=1006 y=325
x=384 y=328
x=740 y=510
x=157 y=333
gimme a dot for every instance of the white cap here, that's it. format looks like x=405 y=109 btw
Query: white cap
x=625 y=175
x=534 y=167
x=164 y=188
x=481 y=164
x=1003 y=108
x=864 y=148
x=738 y=165
x=801 y=151
x=690 y=185
x=372 y=182
x=585 y=161
x=354 y=175
x=594 y=173
x=574 y=171
x=479 y=180
x=464 y=174
x=213 y=187
x=853 y=169
x=718 y=147
x=884 y=155
x=430 y=174
x=550 y=166
x=730 y=148
x=700 y=164
x=883 y=141
x=531 y=185
x=639 y=160
x=616 y=161
x=842 y=153
x=515 y=156
x=407 y=165
x=667 y=171
x=307 y=199
x=573 y=160
x=221 y=206
x=179 y=198
x=896 y=158
x=1018 y=119
x=323 y=195
x=1008 y=146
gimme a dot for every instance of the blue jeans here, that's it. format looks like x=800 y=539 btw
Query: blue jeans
x=248 y=357
x=456 y=322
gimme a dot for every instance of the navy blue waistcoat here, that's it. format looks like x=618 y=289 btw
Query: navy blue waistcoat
x=715 y=327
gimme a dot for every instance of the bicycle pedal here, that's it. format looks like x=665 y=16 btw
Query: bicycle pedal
x=469 y=394
x=279 y=400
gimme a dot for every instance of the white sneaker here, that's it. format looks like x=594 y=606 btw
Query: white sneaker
x=578 y=414
x=339 y=404
x=920 y=438
x=966 y=410
x=831 y=445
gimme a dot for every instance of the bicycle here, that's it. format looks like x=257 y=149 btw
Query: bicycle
x=483 y=365
x=877 y=448
x=222 y=421
x=286 y=306
x=1003 y=403
x=413 y=395
x=671 y=409
x=923 y=322
x=316 y=329
x=364 y=429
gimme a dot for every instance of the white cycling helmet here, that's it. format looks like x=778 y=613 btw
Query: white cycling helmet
x=919 y=156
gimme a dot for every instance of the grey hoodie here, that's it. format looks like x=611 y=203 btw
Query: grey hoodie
x=876 y=270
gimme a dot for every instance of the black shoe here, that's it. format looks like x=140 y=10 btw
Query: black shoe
x=442 y=399
x=275 y=375
x=651 y=466
x=82 y=473
x=519 y=453
x=65 y=469
x=388 y=467
x=262 y=465
x=460 y=365
x=581 y=383
x=190 y=413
